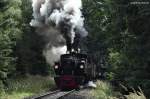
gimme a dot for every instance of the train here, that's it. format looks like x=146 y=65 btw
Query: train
x=77 y=68
x=74 y=69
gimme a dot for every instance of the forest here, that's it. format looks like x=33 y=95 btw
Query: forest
x=118 y=35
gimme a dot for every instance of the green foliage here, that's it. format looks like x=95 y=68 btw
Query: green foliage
x=27 y=86
x=9 y=33
x=96 y=21
x=1 y=88
x=122 y=31
x=130 y=56
x=118 y=39
x=103 y=91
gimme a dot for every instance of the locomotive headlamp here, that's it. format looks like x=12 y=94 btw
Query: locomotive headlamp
x=83 y=61
x=56 y=66
x=81 y=66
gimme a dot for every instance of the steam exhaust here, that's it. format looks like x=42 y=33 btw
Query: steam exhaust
x=61 y=23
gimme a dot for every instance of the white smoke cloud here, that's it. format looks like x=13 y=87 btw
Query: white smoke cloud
x=51 y=17
x=53 y=54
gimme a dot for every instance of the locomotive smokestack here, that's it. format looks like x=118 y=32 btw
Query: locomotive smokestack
x=59 y=21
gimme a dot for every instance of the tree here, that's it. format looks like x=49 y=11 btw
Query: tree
x=9 y=33
x=29 y=48
x=122 y=28
x=133 y=48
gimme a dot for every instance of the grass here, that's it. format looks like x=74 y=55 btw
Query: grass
x=105 y=91
x=136 y=94
x=23 y=87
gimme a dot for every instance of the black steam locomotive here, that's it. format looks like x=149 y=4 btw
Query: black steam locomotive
x=73 y=70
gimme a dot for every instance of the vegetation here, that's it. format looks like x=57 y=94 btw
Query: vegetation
x=105 y=91
x=118 y=39
x=119 y=33
x=24 y=87
x=18 y=56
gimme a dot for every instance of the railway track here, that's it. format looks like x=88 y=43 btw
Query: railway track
x=52 y=95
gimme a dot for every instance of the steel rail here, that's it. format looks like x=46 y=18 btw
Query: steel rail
x=43 y=95
x=52 y=95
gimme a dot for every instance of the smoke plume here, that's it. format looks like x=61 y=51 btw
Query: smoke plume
x=59 y=21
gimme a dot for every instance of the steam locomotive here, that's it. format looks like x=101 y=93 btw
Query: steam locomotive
x=73 y=70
